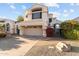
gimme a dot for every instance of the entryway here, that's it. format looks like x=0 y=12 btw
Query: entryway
x=53 y=32
x=56 y=30
x=49 y=32
x=17 y=30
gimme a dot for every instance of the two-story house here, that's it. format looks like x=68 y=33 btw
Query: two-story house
x=37 y=22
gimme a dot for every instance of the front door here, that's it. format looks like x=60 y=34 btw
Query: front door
x=57 y=30
x=49 y=32
x=17 y=30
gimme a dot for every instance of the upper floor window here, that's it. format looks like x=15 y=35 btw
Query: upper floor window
x=50 y=20
x=37 y=15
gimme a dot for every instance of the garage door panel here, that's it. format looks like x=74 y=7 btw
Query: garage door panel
x=33 y=31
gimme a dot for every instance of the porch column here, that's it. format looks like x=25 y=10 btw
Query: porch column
x=21 y=31
x=44 y=31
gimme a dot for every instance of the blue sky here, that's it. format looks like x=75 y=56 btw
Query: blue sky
x=63 y=11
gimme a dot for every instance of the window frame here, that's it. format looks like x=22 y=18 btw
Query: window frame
x=38 y=17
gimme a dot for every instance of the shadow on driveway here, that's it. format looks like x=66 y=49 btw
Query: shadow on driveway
x=9 y=43
x=75 y=49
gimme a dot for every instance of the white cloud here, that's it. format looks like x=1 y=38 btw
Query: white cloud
x=52 y=4
x=71 y=10
x=77 y=4
x=4 y=17
x=68 y=11
x=23 y=7
x=72 y=4
x=65 y=11
x=12 y=6
x=16 y=12
x=65 y=14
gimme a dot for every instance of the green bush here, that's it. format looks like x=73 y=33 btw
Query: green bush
x=71 y=34
x=70 y=29
x=2 y=34
x=20 y=18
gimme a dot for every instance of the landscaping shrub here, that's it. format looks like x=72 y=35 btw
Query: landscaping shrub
x=2 y=34
x=70 y=29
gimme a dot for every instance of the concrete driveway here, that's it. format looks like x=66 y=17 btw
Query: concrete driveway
x=46 y=47
x=15 y=45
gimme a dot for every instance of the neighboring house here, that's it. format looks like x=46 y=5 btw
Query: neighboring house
x=36 y=22
x=9 y=25
x=76 y=19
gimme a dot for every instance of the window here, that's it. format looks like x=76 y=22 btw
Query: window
x=37 y=15
x=50 y=20
x=8 y=27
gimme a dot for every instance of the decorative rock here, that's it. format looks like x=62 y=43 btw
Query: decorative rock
x=63 y=47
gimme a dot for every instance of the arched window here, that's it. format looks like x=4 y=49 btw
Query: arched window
x=8 y=27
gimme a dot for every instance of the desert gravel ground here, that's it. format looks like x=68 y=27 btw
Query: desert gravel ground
x=45 y=47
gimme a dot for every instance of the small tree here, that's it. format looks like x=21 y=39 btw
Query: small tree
x=2 y=26
x=70 y=29
x=20 y=18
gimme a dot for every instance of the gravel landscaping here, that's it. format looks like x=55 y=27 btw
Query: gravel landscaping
x=46 y=48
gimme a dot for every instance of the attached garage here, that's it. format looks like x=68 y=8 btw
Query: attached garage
x=34 y=31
